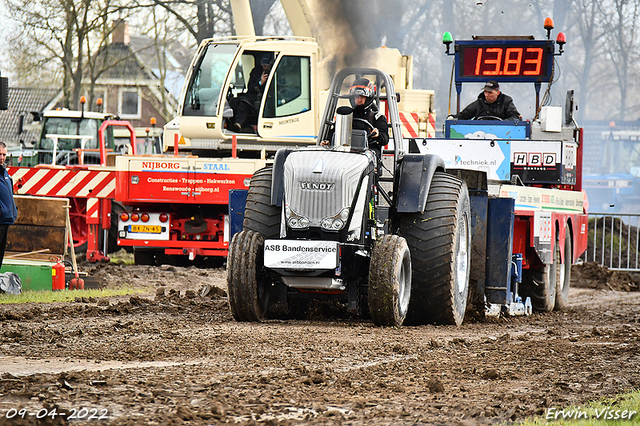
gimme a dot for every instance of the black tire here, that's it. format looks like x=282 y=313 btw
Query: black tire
x=563 y=271
x=247 y=284
x=540 y=285
x=259 y=215
x=389 y=281
x=147 y=257
x=112 y=246
x=296 y=308
x=439 y=240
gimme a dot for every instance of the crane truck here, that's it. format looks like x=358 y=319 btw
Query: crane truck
x=492 y=214
x=185 y=199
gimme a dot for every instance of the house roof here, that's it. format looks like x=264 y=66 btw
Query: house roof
x=23 y=100
x=122 y=62
x=178 y=58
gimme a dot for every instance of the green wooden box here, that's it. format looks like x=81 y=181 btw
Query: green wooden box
x=35 y=275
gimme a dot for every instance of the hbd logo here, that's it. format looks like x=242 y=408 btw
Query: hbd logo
x=534 y=159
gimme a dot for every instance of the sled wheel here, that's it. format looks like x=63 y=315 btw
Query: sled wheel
x=247 y=284
x=390 y=281
x=540 y=285
x=439 y=241
x=563 y=271
x=259 y=214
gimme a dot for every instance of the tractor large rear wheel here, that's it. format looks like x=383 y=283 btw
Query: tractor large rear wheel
x=259 y=214
x=439 y=241
x=247 y=282
x=389 y=281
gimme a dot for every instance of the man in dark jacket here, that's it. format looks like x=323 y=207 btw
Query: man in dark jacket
x=8 y=211
x=246 y=114
x=366 y=115
x=490 y=103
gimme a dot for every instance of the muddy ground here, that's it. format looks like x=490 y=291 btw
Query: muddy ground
x=174 y=355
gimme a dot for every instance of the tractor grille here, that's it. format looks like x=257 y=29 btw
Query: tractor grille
x=318 y=184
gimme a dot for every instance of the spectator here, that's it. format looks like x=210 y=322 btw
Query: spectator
x=8 y=210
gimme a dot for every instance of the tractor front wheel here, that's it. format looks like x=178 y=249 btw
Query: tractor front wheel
x=247 y=282
x=390 y=281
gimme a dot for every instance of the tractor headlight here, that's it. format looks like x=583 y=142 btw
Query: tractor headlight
x=337 y=222
x=294 y=220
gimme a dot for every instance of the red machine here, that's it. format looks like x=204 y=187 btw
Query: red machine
x=178 y=205
x=89 y=188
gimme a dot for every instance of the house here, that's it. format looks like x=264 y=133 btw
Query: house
x=130 y=81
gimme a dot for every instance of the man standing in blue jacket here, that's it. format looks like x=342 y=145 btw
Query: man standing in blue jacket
x=8 y=210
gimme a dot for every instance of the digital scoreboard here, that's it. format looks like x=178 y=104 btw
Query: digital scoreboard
x=504 y=60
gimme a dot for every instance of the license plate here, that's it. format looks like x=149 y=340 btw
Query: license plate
x=145 y=229
x=300 y=254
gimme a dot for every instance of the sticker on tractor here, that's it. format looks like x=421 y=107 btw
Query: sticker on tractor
x=300 y=254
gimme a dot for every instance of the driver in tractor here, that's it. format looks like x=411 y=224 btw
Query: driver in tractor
x=491 y=104
x=366 y=115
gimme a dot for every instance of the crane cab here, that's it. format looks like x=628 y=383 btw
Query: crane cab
x=217 y=92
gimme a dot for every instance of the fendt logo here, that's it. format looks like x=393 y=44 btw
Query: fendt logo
x=156 y=165
x=534 y=159
x=319 y=186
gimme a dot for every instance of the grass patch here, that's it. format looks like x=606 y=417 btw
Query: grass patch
x=121 y=257
x=65 y=296
x=618 y=411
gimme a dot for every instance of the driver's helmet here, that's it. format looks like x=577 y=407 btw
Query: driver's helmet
x=361 y=87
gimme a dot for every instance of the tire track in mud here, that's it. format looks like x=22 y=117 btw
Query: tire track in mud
x=174 y=356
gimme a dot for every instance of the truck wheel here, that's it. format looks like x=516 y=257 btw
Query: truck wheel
x=247 y=284
x=259 y=214
x=439 y=241
x=390 y=281
x=116 y=209
x=146 y=257
x=563 y=272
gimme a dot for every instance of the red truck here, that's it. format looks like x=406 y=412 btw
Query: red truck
x=178 y=205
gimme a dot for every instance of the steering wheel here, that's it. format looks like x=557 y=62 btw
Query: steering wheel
x=489 y=117
x=371 y=127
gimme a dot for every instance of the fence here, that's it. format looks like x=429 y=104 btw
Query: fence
x=613 y=241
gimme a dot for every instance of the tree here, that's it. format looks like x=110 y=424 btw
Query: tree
x=60 y=32
x=622 y=37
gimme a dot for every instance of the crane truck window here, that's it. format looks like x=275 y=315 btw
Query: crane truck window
x=290 y=89
x=207 y=80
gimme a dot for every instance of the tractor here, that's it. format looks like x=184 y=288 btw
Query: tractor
x=388 y=235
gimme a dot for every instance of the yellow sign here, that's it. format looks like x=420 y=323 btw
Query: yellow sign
x=147 y=229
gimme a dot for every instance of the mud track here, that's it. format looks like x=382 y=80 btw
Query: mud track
x=174 y=355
